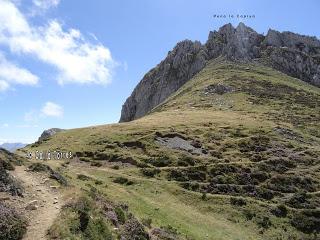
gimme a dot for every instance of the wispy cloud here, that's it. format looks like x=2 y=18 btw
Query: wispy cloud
x=40 y=7
x=46 y=4
x=76 y=58
x=11 y=74
x=51 y=109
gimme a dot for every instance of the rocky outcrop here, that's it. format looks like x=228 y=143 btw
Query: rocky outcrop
x=49 y=133
x=181 y=64
x=241 y=43
x=294 y=54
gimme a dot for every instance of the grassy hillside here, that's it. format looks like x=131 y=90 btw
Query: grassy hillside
x=234 y=154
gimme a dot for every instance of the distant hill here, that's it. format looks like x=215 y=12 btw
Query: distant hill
x=12 y=146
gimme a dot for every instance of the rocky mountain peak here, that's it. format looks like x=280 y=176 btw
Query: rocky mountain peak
x=293 y=54
x=49 y=133
x=240 y=43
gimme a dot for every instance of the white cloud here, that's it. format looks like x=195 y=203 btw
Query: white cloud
x=76 y=59
x=51 y=109
x=40 y=7
x=46 y=4
x=3 y=85
x=11 y=74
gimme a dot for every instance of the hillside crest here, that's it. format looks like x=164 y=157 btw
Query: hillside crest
x=291 y=53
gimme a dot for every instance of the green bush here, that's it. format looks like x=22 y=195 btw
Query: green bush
x=264 y=222
x=162 y=161
x=97 y=229
x=39 y=167
x=186 y=161
x=83 y=177
x=81 y=220
x=238 y=201
x=147 y=222
x=150 y=172
x=121 y=215
x=280 y=211
x=123 y=181
x=307 y=221
x=96 y=164
x=116 y=167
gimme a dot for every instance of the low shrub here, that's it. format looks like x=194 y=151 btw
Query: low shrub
x=12 y=225
x=280 y=211
x=186 y=161
x=264 y=222
x=121 y=215
x=162 y=161
x=83 y=177
x=39 y=167
x=96 y=164
x=147 y=222
x=238 y=201
x=123 y=181
x=307 y=221
x=150 y=172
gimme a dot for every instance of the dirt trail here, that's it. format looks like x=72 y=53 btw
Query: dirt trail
x=48 y=205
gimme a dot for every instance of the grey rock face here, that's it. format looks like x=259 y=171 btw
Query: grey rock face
x=294 y=54
x=305 y=44
x=48 y=133
x=241 y=43
x=296 y=63
x=181 y=64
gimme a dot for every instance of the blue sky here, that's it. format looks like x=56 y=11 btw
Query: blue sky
x=71 y=63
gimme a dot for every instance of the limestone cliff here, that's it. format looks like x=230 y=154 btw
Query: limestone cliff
x=294 y=54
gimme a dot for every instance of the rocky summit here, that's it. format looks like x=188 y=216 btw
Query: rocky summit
x=49 y=133
x=293 y=54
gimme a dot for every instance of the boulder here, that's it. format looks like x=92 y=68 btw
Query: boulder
x=33 y=205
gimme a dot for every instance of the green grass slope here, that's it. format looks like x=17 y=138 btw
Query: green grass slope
x=233 y=154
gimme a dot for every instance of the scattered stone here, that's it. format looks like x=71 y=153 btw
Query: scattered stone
x=218 y=88
x=5 y=198
x=176 y=142
x=32 y=205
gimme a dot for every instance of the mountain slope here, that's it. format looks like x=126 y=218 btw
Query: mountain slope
x=233 y=154
x=12 y=146
x=293 y=54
